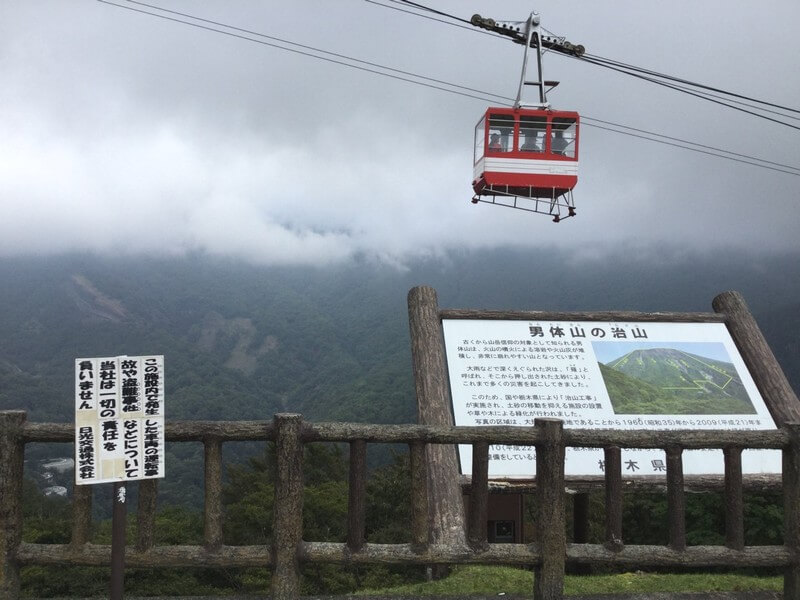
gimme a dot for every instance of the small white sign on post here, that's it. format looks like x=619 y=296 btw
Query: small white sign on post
x=119 y=419
x=603 y=375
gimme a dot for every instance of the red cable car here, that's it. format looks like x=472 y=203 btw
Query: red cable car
x=526 y=156
x=527 y=153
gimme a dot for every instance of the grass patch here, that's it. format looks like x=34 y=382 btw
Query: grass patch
x=490 y=581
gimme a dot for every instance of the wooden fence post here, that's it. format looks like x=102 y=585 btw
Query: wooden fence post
x=791 y=511
x=767 y=373
x=580 y=528
x=212 y=485
x=287 y=529
x=420 y=509
x=613 y=495
x=12 y=451
x=734 y=503
x=447 y=522
x=551 y=531
x=479 y=497
x=357 y=495
x=146 y=514
x=676 y=498
x=81 y=516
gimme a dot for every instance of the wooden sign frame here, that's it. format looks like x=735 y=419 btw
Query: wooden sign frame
x=434 y=404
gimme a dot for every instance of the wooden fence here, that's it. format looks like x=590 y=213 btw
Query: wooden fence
x=548 y=555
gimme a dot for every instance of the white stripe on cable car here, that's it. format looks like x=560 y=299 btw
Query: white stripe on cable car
x=525 y=166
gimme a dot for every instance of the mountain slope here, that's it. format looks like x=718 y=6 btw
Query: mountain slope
x=244 y=341
x=685 y=383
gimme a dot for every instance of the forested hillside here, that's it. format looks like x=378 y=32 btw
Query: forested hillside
x=243 y=341
x=239 y=342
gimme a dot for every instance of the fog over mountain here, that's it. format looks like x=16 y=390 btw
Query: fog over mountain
x=125 y=130
x=243 y=341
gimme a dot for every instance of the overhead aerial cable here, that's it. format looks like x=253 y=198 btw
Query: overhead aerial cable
x=431 y=10
x=687 y=82
x=621 y=67
x=711 y=150
x=702 y=148
x=298 y=45
x=701 y=95
x=468 y=27
x=428 y=82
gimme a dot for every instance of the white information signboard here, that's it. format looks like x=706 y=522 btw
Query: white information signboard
x=603 y=375
x=119 y=419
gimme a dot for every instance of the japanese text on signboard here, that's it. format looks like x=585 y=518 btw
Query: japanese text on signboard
x=119 y=418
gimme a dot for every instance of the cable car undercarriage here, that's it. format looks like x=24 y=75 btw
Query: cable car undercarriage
x=560 y=206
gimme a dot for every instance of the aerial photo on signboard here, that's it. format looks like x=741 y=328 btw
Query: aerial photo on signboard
x=690 y=378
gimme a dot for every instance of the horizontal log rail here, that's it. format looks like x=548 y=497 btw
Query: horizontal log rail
x=548 y=555
x=238 y=431
x=96 y=555
x=762 y=482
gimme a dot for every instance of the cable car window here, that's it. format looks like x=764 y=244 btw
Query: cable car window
x=501 y=133
x=479 y=133
x=562 y=136
x=532 y=132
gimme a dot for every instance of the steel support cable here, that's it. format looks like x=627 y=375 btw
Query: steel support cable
x=707 y=152
x=309 y=54
x=675 y=139
x=298 y=45
x=600 y=59
x=452 y=91
x=739 y=102
x=687 y=82
x=434 y=11
x=695 y=94
x=706 y=93
x=416 y=14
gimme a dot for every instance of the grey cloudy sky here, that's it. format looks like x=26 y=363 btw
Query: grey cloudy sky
x=121 y=132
